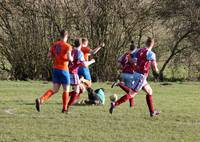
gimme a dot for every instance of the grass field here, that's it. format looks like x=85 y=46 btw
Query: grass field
x=178 y=122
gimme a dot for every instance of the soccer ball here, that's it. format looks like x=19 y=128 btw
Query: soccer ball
x=113 y=97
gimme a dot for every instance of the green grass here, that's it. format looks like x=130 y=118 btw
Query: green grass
x=178 y=122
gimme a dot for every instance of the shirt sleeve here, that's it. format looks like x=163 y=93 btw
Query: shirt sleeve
x=80 y=56
x=151 y=56
x=52 y=49
x=69 y=47
x=85 y=50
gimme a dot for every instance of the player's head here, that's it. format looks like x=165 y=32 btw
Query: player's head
x=149 y=42
x=132 y=46
x=64 y=35
x=85 y=42
x=77 y=42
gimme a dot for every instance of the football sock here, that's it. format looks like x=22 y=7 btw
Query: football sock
x=46 y=95
x=65 y=99
x=124 y=87
x=73 y=98
x=149 y=100
x=131 y=102
x=123 y=99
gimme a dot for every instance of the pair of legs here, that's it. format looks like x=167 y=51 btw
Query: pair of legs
x=127 y=78
x=59 y=77
x=54 y=90
x=140 y=83
x=77 y=89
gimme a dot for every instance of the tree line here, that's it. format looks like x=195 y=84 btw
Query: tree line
x=27 y=28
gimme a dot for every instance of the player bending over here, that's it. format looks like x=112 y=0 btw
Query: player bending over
x=144 y=58
x=60 y=52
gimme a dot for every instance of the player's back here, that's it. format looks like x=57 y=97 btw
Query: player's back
x=59 y=51
x=143 y=64
x=144 y=58
x=78 y=59
x=127 y=66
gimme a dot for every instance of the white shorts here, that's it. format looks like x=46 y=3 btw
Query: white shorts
x=74 y=79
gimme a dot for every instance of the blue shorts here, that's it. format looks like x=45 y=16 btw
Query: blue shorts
x=139 y=81
x=128 y=79
x=85 y=72
x=61 y=76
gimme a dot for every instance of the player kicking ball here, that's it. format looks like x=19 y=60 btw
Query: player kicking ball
x=60 y=53
x=128 y=67
x=144 y=58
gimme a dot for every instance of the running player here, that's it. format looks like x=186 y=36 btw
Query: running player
x=84 y=70
x=60 y=52
x=127 y=67
x=78 y=60
x=144 y=58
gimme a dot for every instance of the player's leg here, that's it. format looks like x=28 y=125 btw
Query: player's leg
x=127 y=78
x=123 y=99
x=137 y=85
x=46 y=95
x=149 y=99
x=65 y=80
x=85 y=73
x=74 y=95
x=50 y=92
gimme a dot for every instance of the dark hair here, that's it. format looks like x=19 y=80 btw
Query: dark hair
x=149 y=41
x=132 y=46
x=84 y=40
x=63 y=33
x=77 y=42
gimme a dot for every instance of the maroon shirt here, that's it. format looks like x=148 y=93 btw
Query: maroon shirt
x=78 y=60
x=143 y=64
x=127 y=67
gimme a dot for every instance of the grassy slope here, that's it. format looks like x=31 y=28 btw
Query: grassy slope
x=179 y=121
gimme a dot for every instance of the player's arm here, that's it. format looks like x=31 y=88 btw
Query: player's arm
x=69 y=56
x=155 y=66
x=152 y=57
x=82 y=62
x=119 y=62
x=50 y=53
x=94 y=51
x=88 y=63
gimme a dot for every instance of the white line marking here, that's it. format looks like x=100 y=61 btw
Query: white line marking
x=9 y=111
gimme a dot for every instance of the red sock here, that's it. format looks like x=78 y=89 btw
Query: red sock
x=131 y=102
x=123 y=99
x=65 y=97
x=73 y=98
x=80 y=92
x=78 y=96
x=46 y=95
x=124 y=87
x=149 y=100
